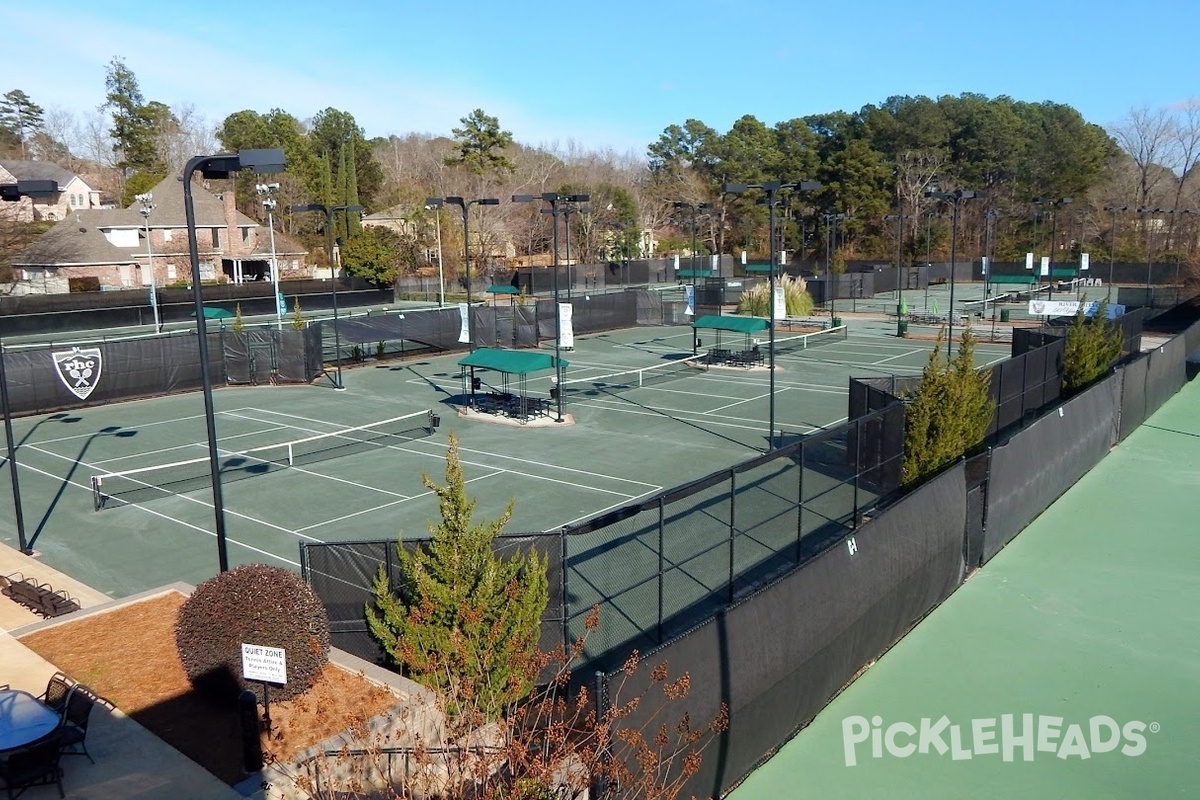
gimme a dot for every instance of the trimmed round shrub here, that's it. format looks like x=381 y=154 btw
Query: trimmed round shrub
x=253 y=604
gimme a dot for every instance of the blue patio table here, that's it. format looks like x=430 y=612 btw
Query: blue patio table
x=23 y=719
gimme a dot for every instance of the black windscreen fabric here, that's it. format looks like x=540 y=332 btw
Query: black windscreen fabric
x=1133 y=395
x=128 y=369
x=1166 y=374
x=1033 y=468
x=295 y=362
x=780 y=655
x=343 y=573
x=1191 y=338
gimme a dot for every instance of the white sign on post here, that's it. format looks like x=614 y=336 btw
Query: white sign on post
x=261 y=663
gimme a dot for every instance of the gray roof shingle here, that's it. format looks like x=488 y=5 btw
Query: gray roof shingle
x=72 y=242
x=38 y=171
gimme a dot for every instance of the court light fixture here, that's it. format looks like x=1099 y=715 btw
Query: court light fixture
x=213 y=168
x=11 y=193
x=329 y=211
x=955 y=199
x=465 y=206
x=771 y=189
x=555 y=202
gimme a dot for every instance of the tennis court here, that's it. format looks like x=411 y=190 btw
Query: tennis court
x=305 y=463
x=1083 y=622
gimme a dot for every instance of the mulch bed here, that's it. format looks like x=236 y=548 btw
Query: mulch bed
x=128 y=656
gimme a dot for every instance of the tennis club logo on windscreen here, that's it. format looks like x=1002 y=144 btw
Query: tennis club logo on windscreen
x=78 y=369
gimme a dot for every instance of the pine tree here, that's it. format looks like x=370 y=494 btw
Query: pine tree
x=298 y=322
x=949 y=414
x=462 y=620
x=239 y=323
x=1091 y=348
x=22 y=116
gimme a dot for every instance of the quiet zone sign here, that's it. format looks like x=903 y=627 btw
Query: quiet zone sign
x=261 y=663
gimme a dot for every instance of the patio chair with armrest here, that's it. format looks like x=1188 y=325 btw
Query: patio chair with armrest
x=57 y=689
x=36 y=765
x=72 y=731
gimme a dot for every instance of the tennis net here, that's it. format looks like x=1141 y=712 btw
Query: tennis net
x=633 y=378
x=805 y=341
x=161 y=480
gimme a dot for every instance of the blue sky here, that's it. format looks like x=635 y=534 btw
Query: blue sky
x=603 y=74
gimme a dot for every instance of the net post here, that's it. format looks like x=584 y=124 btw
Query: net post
x=97 y=497
x=291 y=455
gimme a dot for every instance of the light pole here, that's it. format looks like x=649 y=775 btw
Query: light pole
x=1112 y=250
x=147 y=205
x=771 y=189
x=572 y=203
x=437 y=216
x=1149 y=254
x=901 y=328
x=1054 y=206
x=553 y=199
x=266 y=192
x=694 y=207
x=11 y=193
x=215 y=168
x=831 y=221
x=989 y=219
x=465 y=206
x=329 y=211
x=955 y=199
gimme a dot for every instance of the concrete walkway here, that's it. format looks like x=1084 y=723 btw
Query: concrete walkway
x=131 y=763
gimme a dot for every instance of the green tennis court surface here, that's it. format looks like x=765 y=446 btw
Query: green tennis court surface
x=305 y=463
x=1087 y=619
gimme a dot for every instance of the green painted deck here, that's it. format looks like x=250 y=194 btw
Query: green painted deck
x=1091 y=612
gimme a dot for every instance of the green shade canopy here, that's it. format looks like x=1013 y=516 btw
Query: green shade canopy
x=212 y=312
x=758 y=268
x=502 y=290
x=513 y=362
x=735 y=324
x=1012 y=279
x=695 y=273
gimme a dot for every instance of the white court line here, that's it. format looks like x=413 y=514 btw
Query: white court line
x=901 y=355
x=738 y=403
x=172 y=421
x=482 y=453
x=694 y=417
x=160 y=515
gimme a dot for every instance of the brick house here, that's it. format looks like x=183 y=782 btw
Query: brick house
x=73 y=193
x=111 y=245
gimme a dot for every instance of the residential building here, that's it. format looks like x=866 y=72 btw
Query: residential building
x=73 y=193
x=109 y=246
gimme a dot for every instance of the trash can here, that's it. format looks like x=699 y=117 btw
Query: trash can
x=836 y=322
x=1004 y=315
x=902 y=328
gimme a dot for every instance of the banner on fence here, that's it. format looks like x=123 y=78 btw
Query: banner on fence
x=689 y=292
x=1069 y=308
x=464 y=314
x=778 y=304
x=566 y=332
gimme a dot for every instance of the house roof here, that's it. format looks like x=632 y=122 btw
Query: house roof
x=393 y=214
x=74 y=241
x=38 y=171
x=169 y=213
x=284 y=245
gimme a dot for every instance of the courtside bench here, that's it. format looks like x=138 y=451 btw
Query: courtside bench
x=41 y=598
